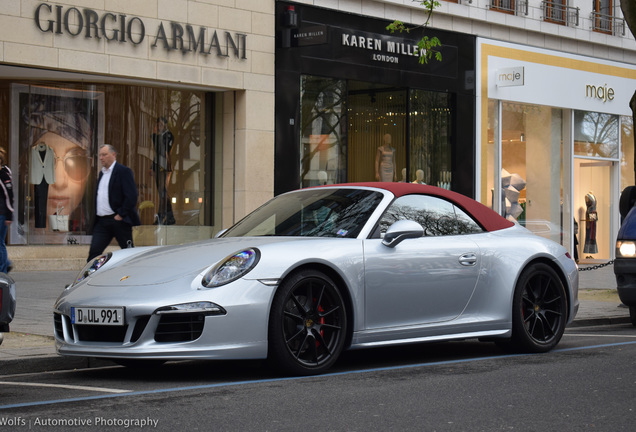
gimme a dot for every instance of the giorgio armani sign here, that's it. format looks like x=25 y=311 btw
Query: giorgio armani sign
x=121 y=28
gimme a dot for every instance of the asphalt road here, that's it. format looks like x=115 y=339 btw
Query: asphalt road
x=588 y=382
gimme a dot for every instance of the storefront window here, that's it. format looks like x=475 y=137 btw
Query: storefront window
x=55 y=135
x=489 y=157
x=430 y=134
x=532 y=171
x=593 y=208
x=385 y=134
x=596 y=144
x=56 y=130
x=323 y=149
x=377 y=133
x=627 y=152
x=595 y=134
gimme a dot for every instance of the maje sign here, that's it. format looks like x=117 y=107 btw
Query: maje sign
x=510 y=77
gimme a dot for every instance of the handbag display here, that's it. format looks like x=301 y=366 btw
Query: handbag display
x=58 y=221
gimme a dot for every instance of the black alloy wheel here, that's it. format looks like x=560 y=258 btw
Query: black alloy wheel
x=539 y=312
x=308 y=324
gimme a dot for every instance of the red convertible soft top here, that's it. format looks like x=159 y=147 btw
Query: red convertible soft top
x=486 y=217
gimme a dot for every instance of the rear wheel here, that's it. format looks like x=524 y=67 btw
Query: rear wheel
x=539 y=311
x=308 y=324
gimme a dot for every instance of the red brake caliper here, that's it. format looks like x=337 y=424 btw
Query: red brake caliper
x=322 y=321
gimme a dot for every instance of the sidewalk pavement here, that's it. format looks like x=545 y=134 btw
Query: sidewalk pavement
x=30 y=345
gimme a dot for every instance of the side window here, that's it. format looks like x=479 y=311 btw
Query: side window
x=466 y=224
x=438 y=217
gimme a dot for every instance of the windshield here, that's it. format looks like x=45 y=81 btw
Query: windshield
x=310 y=213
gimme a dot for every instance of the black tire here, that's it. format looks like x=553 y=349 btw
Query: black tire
x=307 y=324
x=539 y=310
x=632 y=315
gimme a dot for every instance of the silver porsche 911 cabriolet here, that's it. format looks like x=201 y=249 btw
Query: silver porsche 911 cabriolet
x=320 y=270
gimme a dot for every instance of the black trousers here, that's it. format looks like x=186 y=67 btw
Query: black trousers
x=40 y=195
x=105 y=230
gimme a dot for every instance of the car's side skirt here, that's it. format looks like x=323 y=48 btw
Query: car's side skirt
x=362 y=342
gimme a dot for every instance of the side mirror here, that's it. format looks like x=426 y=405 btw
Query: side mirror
x=402 y=230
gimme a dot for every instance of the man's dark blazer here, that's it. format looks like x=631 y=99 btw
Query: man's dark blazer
x=122 y=193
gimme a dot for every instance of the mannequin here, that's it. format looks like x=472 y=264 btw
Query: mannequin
x=590 y=224
x=385 y=161
x=403 y=176
x=419 y=177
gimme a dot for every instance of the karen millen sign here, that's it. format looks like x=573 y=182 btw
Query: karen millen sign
x=131 y=29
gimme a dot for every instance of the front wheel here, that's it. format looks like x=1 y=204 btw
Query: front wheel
x=632 y=315
x=539 y=310
x=307 y=325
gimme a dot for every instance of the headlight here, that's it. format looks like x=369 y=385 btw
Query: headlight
x=231 y=268
x=92 y=266
x=626 y=249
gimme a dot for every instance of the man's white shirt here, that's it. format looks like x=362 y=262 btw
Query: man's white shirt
x=103 y=206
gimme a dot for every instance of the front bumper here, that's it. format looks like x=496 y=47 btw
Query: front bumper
x=625 y=271
x=238 y=333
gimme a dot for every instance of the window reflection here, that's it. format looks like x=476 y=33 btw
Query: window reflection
x=431 y=131
x=595 y=134
x=437 y=216
x=322 y=151
x=311 y=213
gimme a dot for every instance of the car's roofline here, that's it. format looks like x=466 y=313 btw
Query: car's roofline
x=486 y=217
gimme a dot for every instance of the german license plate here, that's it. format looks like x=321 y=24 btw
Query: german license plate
x=85 y=315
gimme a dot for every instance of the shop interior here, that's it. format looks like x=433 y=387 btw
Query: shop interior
x=356 y=131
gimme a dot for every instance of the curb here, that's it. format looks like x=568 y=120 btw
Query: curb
x=589 y=322
x=50 y=363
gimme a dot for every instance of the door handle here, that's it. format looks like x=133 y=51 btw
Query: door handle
x=468 y=259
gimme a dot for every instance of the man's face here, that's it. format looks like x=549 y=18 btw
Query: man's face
x=106 y=157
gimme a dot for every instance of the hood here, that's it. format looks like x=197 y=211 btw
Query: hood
x=167 y=264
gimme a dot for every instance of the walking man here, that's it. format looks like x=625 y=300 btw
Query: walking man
x=116 y=204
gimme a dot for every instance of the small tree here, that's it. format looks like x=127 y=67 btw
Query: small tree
x=425 y=44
